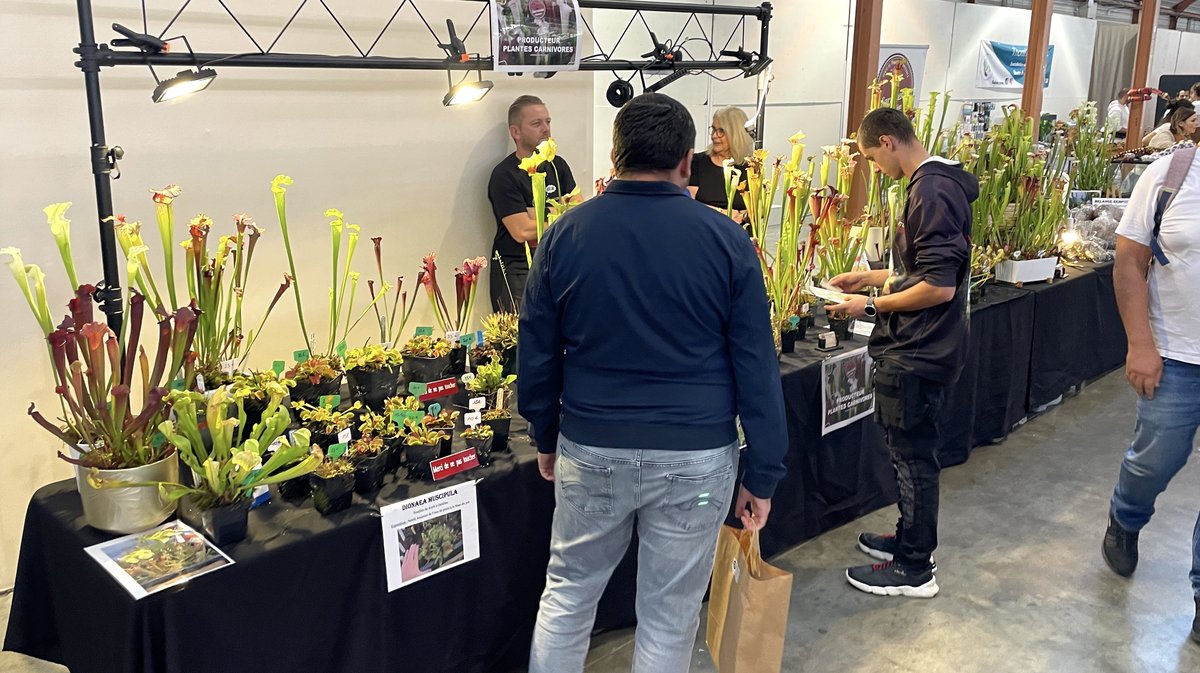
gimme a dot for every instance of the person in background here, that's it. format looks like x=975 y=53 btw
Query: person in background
x=728 y=140
x=1118 y=113
x=1158 y=309
x=634 y=425
x=1180 y=126
x=511 y=195
x=919 y=343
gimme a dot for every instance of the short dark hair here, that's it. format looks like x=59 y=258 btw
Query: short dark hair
x=518 y=106
x=885 y=121
x=653 y=132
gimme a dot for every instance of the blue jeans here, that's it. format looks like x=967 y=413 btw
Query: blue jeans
x=1162 y=442
x=677 y=500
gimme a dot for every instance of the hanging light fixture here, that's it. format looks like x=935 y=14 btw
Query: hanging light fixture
x=185 y=83
x=467 y=91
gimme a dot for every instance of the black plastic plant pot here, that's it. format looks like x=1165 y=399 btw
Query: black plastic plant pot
x=458 y=361
x=294 y=489
x=322 y=440
x=369 y=472
x=500 y=427
x=977 y=293
x=395 y=451
x=842 y=327
x=787 y=341
x=255 y=409
x=447 y=444
x=333 y=494
x=311 y=393
x=425 y=370
x=417 y=457
x=373 y=386
x=509 y=358
x=224 y=525
x=483 y=448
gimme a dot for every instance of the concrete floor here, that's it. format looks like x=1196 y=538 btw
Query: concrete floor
x=1023 y=586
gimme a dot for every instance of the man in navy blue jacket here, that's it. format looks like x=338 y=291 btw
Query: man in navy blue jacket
x=919 y=343
x=645 y=332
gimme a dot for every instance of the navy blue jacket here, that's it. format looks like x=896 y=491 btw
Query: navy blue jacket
x=645 y=325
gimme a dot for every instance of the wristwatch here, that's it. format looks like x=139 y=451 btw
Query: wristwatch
x=870 y=309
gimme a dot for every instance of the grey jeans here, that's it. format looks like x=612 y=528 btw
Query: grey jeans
x=677 y=500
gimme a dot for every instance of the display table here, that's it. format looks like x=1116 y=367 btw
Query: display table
x=1077 y=333
x=308 y=593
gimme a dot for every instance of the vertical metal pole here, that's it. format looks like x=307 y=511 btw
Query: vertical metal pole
x=108 y=293
x=760 y=123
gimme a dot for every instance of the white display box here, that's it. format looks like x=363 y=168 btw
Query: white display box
x=1026 y=270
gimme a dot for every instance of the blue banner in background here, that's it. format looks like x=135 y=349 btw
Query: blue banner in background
x=1002 y=66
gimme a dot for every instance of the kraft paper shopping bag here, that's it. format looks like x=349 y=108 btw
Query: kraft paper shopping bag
x=747 y=606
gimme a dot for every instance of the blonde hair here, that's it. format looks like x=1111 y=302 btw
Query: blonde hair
x=733 y=121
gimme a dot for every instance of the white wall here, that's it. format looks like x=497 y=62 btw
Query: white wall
x=378 y=145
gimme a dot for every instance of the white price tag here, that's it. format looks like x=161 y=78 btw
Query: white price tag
x=472 y=419
x=804 y=309
x=276 y=444
x=467 y=378
x=228 y=366
x=200 y=383
x=453 y=337
x=477 y=403
x=344 y=436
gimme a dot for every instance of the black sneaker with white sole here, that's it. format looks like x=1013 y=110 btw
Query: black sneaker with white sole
x=882 y=547
x=891 y=579
x=1196 y=622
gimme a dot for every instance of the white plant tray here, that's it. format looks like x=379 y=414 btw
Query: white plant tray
x=1026 y=270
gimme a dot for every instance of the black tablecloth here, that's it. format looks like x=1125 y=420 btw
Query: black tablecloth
x=989 y=397
x=1077 y=333
x=831 y=480
x=307 y=593
x=324 y=578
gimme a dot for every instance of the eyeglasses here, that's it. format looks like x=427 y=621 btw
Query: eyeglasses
x=716 y=131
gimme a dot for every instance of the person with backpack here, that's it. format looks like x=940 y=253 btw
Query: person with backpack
x=1156 y=274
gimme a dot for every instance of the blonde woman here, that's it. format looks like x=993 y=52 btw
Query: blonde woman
x=728 y=140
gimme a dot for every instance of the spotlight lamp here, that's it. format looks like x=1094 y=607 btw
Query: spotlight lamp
x=185 y=83
x=467 y=91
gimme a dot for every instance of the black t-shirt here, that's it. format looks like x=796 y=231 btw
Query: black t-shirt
x=511 y=192
x=710 y=178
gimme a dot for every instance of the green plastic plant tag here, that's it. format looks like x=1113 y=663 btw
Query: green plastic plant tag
x=400 y=416
x=177 y=384
x=301 y=355
x=795 y=320
x=331 y=401
x=435 y=409
x=157 y=441
x=278 y=366
x=417 y=388
x=341 y=349
x=424 y=331
x=467 y=340
x=336 y=451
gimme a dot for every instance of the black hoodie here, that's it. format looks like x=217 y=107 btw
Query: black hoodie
x=933 y=244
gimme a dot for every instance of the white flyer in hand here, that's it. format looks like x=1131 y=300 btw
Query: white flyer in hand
x=828 y=295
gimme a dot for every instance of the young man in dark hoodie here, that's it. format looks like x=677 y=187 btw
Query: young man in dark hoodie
x=645 y=332
x=919 y=343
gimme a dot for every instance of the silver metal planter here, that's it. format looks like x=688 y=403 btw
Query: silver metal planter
x=132 y=509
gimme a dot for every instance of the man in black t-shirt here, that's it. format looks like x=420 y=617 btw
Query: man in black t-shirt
x=511 y=195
